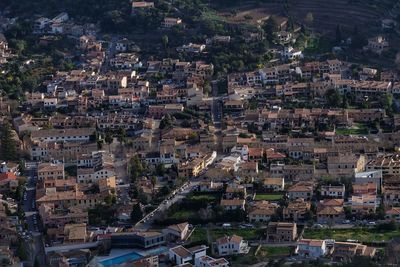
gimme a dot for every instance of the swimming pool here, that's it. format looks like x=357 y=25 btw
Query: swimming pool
x=121 y=259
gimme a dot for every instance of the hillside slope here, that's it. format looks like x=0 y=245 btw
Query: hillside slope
x=328 y=14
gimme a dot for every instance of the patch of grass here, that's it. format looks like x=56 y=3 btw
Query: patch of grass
x=247 y=234
x=200 y=234
x=360 y=234
x=263 y=254
x=357 y=129
x=269 y=197
x=274 y=251
x=204 y=197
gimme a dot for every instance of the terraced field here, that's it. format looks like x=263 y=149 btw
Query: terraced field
x=365 y=14
x=328 y=14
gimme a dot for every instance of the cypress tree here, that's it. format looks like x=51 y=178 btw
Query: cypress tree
x=8 y=149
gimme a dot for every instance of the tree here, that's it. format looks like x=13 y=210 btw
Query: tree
x=137 y=213
x=270 y=27
x=166 y=122
x=108 y=138
x=109 y=199
x=386 y=102
x=8 y=148
x=135 y=167
x=358 y=41
x=160 y=169
x=207 y=88
x=309 y=18
x=165 y=41
x=121 y=135
x=333 y=98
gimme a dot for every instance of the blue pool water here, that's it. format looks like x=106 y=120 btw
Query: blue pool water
x=121 y=259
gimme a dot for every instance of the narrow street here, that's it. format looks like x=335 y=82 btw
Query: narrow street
x=35 y=246
x=216 y=107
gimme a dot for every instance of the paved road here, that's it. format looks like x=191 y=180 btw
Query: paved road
x=111 y=51
x=180 y=194
x=36 y=246
x=216 y=106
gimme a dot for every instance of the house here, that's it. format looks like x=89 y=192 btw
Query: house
x=176 y=231
x=393 y=213
x=248 y=169
x=50 y=171
x=275 y=184
x=69 y=198
x=65 y=135
x=387 y=164
x=50 y=103
x=262 y=211
x=296 y=210
x=284 y=37
x=93 y=175
x=280 y=232
x=233 y=204
x=374 y=176
x=231 y=245
x=377 y=45
x=207 y=261
x=311 y=248
x=137 y=5
x=124 y=45
x=65 y=258
x=192 y=48
x=330 y=211
x=75 y=233
x=235 y=191
x=345 y=251
x=391 y=195
x=210 y=186
x=143 y=240
x=333 y=191
x=8 y=182
x=52 y=217
x=364 y=204
x=346 y=165
x=365 y=188
x=170 y=22
x=191 y=168
x=180 y=255
x=290 y=53
x=302 y=190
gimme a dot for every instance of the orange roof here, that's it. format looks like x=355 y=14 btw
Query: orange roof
x=311 y=242
x=393 y=211
x=7 y=176
x=255 y=151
